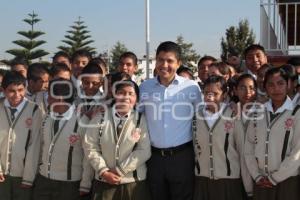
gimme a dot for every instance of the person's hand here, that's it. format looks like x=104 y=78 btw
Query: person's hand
x=268 y=183
x=82 y=193
x=111 y=178
x=260 y=183
x=114 y=171
x=92 y=113
x=24 y=186
x=264 y=183
x=2 y=178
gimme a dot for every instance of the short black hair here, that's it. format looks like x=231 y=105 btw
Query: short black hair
x=290 y=71
x=81 y=53
x=204 y=58
x=35 y=70
x=101 y=63
x=274 y=70
x=59 y=67
x=245 y=76
x=216 y=79
x=64 y=88
x=183 y=68
x=129 y=54
x=19 y=61
x=169 y=46
x=61 y=54
x=294 y=61
x=13 y=77
x=119 y=76
x=3 y=72
x=126 y=83
x=253 y=47
x=92 y=68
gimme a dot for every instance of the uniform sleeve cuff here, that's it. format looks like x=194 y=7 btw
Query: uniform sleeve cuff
x=272 y=180
x=120 y=171
x=102 y=170
x=30 y=183
x=84 y=189
x=258 y=178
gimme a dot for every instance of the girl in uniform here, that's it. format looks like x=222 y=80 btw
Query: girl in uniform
x=272 y=147
x=117 y=146
x=217 y=147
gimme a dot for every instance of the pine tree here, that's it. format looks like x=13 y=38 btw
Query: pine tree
x=237 y=39
x=28 y=51
x=117 y=50
x=189 y=56
x=77 y=39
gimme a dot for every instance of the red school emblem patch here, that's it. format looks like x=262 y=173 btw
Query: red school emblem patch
x=289 y=123
x=228 y=126
x=136 y=134
x=73 y=139
x=28 y=122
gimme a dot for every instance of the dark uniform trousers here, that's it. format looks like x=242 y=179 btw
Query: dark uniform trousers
x=129 y=191
x=11 y=189
x=47 y=189
x=170 y=173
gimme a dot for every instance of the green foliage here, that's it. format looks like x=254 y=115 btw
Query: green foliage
x=117 y=50
x=28 y=52
x=77 y=38
x=237 y=39
x=189 y=55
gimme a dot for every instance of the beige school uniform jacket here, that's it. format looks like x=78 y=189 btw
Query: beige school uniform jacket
x=127 y=154
x=39 y=98
x=20 y=141
x=273 y=148
x=219 y=149
x=241 y=126
x=62 y=156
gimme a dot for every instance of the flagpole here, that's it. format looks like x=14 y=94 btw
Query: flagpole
x=147 y=37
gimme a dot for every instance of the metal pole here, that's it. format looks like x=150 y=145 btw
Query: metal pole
x=295 y=33
x=147 y=38
x=269 y=24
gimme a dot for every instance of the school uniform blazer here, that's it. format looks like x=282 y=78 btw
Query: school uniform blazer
x=40 y=99
x=20 y=141
x=62 y=156
x=127 y=154
x=241 y=125
x=273 y=148
x=218 y=149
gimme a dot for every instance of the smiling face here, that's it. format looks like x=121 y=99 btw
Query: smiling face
x=166 y=66
x=126 y=99
x=15 y=94
x=255 y=59
x=276 y=88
